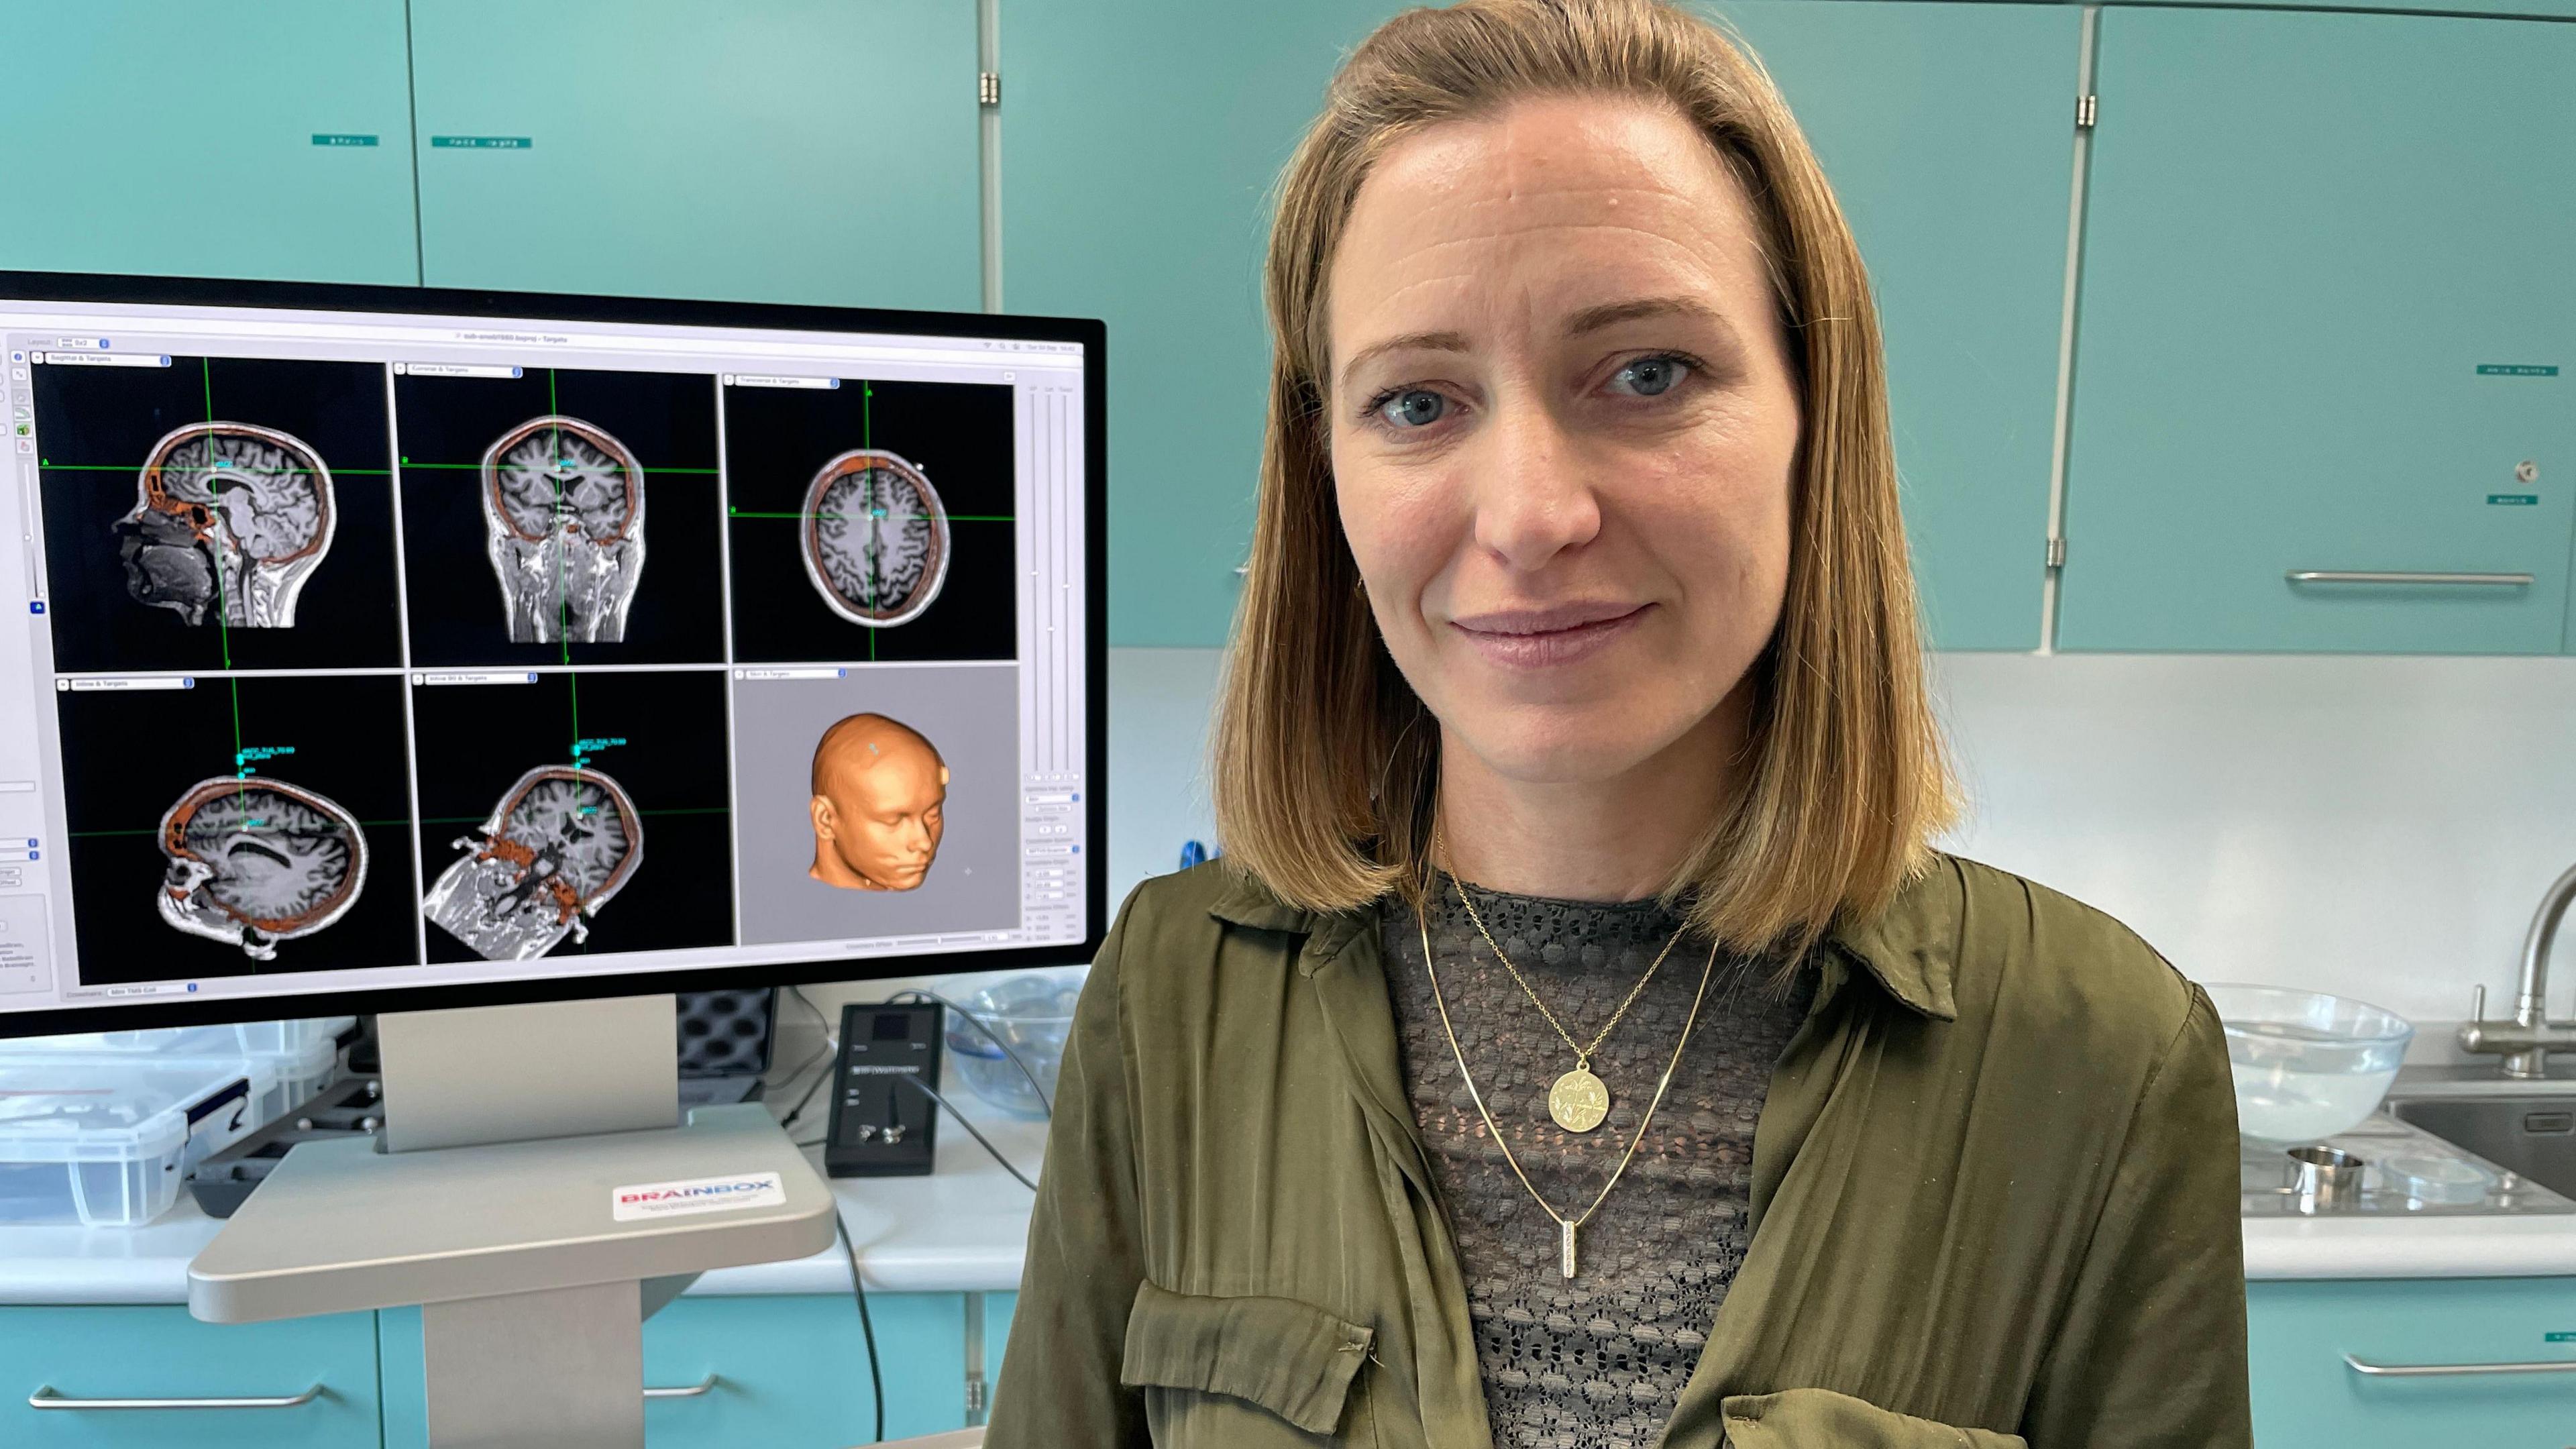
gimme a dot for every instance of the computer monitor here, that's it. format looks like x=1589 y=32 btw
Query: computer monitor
x=376 y=648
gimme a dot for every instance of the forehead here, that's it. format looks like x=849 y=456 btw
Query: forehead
x=1488 y=213
x=903 y=768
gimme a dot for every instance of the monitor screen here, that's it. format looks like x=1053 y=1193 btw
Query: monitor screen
x=377 y=648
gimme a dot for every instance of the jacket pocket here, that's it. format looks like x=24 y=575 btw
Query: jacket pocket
x=1823 y=1419
x=1291 y=1359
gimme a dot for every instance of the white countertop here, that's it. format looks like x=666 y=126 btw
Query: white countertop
x=963 y=1228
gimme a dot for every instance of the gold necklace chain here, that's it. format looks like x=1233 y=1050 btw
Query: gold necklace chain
x=1582 y=1053
x=1565 y=1226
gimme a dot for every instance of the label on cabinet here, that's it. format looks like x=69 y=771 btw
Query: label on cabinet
x=513 y=143
x=2513 y=500
x=697 y=1195
x=342 y=138
x=2517 y=369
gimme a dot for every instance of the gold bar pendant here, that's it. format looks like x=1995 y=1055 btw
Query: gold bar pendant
x=1566 y=1242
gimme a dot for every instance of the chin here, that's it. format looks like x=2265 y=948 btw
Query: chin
x=1540 y=746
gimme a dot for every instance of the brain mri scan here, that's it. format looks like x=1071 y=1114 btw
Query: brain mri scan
x=228 y=516
x=257 y=861
x=563 y=513
x=557 y=846
x=876 y=539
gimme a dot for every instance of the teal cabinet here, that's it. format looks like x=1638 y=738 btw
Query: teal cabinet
x=2307 y=1397
x=1140 y=139
x=162 y=1353
x=2562 y=8
x=762 y=150
x=1948 y=133
x=177 y=137
x=790 y=1372
x=2325 y=306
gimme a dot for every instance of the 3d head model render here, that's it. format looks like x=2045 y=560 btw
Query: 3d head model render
x=879 y=788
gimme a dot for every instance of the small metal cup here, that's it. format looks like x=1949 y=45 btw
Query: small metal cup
x=2326 y=1177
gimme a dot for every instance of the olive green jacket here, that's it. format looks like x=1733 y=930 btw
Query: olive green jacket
x=1994 y=1198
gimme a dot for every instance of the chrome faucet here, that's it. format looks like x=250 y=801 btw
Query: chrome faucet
x=2525 y=1041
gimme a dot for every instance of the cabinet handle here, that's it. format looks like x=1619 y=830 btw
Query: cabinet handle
x=2366 y=576
x=45 y=1398
x=702 y=1386
x=2452 y=1370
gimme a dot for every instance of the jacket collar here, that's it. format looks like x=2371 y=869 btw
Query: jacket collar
x=1909 y=949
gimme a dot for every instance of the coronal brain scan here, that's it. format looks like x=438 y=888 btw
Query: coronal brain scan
x=879 y=806
x=227 y=516
x=563 y=509
x=257 y=861
x=560 y=843
x=876 y=538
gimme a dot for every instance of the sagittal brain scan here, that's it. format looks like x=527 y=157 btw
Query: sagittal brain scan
x=563 y=508
x=257 y=861
x=560 y=843
x=876 y=539
x=228 y=516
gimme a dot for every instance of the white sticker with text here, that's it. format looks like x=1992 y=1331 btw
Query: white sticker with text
x=698 y=1195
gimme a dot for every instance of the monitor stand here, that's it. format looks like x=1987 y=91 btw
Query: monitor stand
x=503 y=1201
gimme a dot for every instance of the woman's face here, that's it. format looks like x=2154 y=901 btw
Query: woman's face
x=1562 y=428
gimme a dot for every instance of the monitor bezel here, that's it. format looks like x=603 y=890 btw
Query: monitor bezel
x=1091 y=333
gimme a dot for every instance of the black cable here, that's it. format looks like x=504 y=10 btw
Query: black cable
x=977 y=1022
x=828 y=1047
x=933 y=1094
x=859 y=1290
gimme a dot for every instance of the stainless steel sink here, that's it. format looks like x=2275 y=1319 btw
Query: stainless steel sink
x=2533 y=1134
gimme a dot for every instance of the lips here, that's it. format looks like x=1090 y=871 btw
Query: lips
x=1559 y=635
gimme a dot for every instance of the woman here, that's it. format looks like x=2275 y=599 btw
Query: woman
x=1580 y=1043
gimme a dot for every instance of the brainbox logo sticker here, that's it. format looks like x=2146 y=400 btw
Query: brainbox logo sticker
x=730 y=1193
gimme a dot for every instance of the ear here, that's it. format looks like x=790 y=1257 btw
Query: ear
x=821 y=809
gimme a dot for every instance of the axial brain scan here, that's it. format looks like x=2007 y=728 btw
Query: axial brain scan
x=563 y=514
x=876 y=539
x=228 y=515
x=557 y=846
x=257 y=861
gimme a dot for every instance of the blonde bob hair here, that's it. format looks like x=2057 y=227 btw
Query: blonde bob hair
x=1325 y=762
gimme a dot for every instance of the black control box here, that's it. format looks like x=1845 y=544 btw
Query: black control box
x=882 y=1124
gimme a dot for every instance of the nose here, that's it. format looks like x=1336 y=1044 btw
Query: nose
x=1534 y=497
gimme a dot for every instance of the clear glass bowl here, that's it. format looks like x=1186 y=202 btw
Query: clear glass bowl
x=2307 y=1065
x=1033 y=1012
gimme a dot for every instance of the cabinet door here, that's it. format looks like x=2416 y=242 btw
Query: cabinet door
x=177 y=137
x=2325 y=302
x=764 y=150
x=788 y=1370
x=161 y=1353
x=1139 y=143
x=1948 y=131
x=2305 y=1394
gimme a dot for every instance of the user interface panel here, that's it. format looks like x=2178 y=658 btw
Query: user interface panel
x=356 y=650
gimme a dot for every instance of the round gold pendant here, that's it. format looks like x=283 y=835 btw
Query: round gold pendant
x=1579 y=1101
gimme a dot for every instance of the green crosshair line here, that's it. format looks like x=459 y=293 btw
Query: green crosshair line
x=876 y=540
x=563 y=578
x=223 y=629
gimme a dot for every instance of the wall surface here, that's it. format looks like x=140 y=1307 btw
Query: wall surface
x=2377 y=827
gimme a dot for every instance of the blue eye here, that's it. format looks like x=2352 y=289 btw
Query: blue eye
x=1414 y=408
x=1650 y=376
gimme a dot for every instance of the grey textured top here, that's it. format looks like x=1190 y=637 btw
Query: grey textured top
x=1597 y=1362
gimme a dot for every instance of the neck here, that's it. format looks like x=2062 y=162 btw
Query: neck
x=1613 y=839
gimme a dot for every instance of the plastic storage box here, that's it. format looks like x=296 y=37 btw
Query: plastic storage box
x=283 y=1076
x=107 y=1144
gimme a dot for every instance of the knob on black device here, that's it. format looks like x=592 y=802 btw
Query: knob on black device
x=882 y=1125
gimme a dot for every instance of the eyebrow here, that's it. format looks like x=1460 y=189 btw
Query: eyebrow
x=1611 y=314
x=1589 y=320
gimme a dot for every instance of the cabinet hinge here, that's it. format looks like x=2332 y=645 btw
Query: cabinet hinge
x=988 y=88
x=975 y=1398
x=2057 y=553
x=2086 y=107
